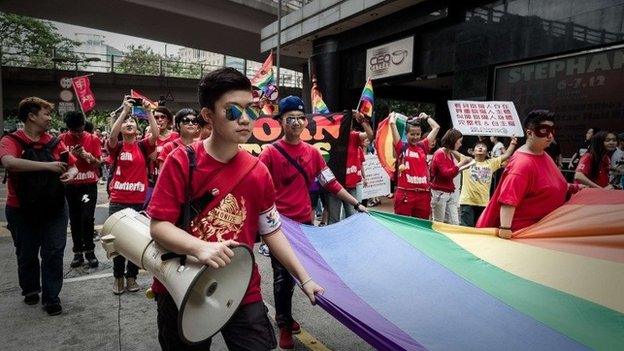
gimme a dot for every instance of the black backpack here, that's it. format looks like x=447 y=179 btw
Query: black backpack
x=40 y=192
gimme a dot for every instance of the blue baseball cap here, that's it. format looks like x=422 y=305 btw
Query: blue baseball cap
x=289 y=103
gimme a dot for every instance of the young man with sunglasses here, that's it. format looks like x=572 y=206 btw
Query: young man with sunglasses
x=293 y=165
x=188 y=123
x=227 y=106
x=81 y=192
x=531 y=185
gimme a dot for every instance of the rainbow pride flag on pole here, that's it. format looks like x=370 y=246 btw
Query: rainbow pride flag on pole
x=318 y=105
x=367 y=100
x=403 y=283
x=383 y=143
x=264 y=77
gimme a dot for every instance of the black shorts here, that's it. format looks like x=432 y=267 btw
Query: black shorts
x=249 y=329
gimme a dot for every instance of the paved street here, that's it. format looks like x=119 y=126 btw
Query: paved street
x=95 y=319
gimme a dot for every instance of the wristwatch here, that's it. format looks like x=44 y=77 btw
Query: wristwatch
x=356 y=206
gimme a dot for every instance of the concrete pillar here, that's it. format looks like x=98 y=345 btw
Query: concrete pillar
x=306 y=85
x=325 y=64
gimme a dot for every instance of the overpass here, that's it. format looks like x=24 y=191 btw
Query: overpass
x=230 y=27
x=109 y=88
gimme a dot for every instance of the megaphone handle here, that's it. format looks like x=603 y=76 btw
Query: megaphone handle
x=171 y=255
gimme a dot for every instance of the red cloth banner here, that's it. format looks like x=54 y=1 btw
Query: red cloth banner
x=82 y=88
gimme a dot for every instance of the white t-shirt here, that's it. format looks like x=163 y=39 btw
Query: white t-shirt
x=617 y=160
x=497 y=150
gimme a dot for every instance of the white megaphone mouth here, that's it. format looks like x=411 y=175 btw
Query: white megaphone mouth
x=213 y=297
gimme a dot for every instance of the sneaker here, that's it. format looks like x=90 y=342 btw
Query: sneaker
x=264 y=250
x=286 y=340
x=53 y=309
x=77 y=261
x=118 y=286
x=31 y=299
x=131 y=285
x=296 y=328
x=91 y=259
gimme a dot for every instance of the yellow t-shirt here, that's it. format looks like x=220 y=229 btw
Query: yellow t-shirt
x=476 y=181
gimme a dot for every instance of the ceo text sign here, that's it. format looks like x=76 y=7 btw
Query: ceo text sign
x=390 y=59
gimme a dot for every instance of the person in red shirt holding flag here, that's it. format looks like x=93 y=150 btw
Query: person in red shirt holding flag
x=240 y=204
x=531 y=185
x=128 y=184
x=81 y=192
x=355 y=157
x=188 y=123
x=412 y=196
x=294 y=165
x=36 y=212
x=164 y=119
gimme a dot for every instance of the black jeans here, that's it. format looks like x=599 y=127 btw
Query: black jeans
x=283 y=288
x=81 y=201
x=120 y=269
x=35 y=235
x=469 y=215
x=248 y=329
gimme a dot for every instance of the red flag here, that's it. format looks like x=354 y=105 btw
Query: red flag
x=137 y=95
x=82 y=88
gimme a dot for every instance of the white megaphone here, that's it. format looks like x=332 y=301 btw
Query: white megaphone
x=206 y=297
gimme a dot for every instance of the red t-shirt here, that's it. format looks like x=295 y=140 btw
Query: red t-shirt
x=87 y=173
x=9 y=146
x=415 y=174
x=160 y=142
x=532 y=184
x=292 y=197
x=168 y=148
x=129 y=182
x=355 y=157
x=585 y=165
x=240 y=215
x=443 y=170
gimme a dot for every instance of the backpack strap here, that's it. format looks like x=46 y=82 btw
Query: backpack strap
x=20 y=141
x=186 y=211
x=51 y=145
x=293 y=162
x=225 y=180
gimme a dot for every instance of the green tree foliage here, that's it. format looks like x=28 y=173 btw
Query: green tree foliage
x=139 y=60
x=31 y=42
x=143 y=60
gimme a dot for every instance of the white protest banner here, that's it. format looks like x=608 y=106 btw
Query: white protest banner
x=487 y=118
x=377 y=179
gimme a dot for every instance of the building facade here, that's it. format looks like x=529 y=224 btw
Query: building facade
x=566 y=56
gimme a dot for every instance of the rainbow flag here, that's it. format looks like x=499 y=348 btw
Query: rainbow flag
x=135 y=94
x=264 y=77
x=402 y=283
x=384 y=145
x=318 y=105
x=367 y=100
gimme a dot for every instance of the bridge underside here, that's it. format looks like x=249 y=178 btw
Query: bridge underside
x=231 y=27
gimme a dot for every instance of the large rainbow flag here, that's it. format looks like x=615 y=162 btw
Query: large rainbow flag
x=367 y=99
x=402 y=283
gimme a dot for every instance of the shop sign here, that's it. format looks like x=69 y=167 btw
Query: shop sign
x=390 y=59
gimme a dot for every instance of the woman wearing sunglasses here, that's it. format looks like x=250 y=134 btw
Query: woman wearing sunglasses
x=531 y=185
x=188 y=125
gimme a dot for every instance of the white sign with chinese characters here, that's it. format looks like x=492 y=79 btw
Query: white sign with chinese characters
x=487 y=118
x=390 y=59
x=377 y=179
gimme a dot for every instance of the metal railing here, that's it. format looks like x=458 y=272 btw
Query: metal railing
x=554 y=28
x=124 y=64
